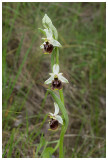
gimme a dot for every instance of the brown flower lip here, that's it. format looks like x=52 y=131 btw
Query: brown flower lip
x=48 y=47
x=56 y=84
x=54 y=124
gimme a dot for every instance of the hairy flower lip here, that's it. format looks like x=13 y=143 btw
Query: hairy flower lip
x=54 y=124
x=48 y=47
x=56 y=84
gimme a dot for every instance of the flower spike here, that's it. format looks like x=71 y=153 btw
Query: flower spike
x=50 y=42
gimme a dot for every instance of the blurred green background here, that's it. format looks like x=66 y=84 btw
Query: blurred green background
x=26 y=102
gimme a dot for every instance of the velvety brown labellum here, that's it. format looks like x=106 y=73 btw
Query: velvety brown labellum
x=56 y=84
x=48 y=47
x=54 y=124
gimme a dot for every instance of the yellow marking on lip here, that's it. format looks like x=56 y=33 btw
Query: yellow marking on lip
x=56 y=89
x=46 y=53
x=52 y=117
x=53 y=130
x=55 y=76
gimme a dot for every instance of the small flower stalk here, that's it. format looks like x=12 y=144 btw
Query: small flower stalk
x=56 y=79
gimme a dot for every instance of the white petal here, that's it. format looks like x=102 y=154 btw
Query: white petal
x=60 y=74
x=42 y=46
x=63 y=79
x=55 y=68
x=51 y=74
x=59 y=118
x=49 y=80
x=55 y=43
x=56 y=108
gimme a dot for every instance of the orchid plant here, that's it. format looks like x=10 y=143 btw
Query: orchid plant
x=51 y=46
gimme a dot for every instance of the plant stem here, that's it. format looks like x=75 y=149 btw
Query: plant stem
x=61 y=95
x=64 y=127
x=52 y=59
x=57 y=55
x=61 y=154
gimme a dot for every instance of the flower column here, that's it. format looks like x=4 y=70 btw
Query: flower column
x=50 y=46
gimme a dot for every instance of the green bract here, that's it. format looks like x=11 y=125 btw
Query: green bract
x=47 y=23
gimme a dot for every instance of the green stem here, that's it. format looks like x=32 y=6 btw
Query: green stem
x=64 y=127
x=57 y=55
x=52 y=59
x=61 y=95
x=63 y=130
x=61 y=155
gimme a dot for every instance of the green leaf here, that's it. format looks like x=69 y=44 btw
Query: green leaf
x=9 y=146
x=47 y=152
x=41 y=144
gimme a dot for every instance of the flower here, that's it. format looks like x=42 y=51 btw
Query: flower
x=49 y=42
x=56 y=78
x=55 y=118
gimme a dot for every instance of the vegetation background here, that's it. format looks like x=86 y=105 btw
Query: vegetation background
x=26 y=102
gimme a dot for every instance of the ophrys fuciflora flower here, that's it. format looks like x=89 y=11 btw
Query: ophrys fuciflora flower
x=56 y=78
x=55 y=119
x=49 y=42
